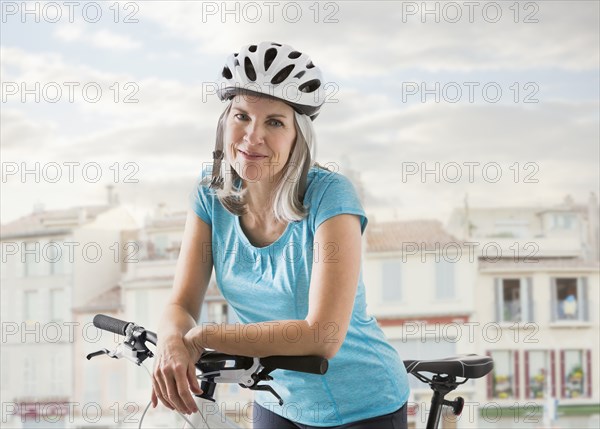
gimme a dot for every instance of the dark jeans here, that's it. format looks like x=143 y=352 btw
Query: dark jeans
x=265 y=419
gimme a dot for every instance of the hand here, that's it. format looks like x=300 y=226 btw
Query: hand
x=175 y=374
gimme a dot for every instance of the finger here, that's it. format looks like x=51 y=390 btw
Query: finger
x=161 y=390
x=183 y=389
x=153 y=399
x=173 y=394
x=193 y=380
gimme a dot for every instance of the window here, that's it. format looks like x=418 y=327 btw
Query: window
x=29 y=376
x=569 y=299
x=539 y=374
x=30 y=306
x=35 y=263
x=57 y=305
x=57 y=257
x=575 y=373
x=514 y=301
x=563 y=221
x=203 y=313
x=57 y=375
x=217 y=312
x=161 y=242
x=391 y=281
x=504 y=382
x=444 y=280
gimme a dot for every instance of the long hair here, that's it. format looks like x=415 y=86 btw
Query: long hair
x=286 y=199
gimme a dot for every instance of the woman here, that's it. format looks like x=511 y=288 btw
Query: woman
x=284 y=237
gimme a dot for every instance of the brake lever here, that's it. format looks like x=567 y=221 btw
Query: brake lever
x=98 y=353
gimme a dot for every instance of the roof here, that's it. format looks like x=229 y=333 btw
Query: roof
x=539 y=264
x=51 y=222
x=170 y=220
x=106 y=301
x=390 y=236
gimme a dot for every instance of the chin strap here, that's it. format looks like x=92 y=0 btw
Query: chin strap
x=217 y=180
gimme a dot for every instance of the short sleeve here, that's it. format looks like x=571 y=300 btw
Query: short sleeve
x=336 y=195
x=202 y=200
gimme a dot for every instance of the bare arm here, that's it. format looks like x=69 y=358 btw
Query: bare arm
x=192 y=275
x=333 y=286
x=174 y=372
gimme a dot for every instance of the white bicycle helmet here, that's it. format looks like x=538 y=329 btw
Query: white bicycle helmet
x=276 y=70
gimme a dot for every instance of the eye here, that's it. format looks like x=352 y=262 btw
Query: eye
x=276 y=123
x=241 y=116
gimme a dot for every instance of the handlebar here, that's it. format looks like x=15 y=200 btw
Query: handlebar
x=308 y=364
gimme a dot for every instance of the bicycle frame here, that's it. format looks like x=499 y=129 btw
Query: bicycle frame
x=248 y=372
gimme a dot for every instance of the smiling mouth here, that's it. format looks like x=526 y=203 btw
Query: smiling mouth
x=251 y=156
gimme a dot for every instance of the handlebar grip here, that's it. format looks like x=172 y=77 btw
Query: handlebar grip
x=110 y=324
x=309 y=364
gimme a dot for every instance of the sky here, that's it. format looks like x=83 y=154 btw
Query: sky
x=426 y=101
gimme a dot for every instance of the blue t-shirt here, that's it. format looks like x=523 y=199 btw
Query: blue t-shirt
x=366 y=378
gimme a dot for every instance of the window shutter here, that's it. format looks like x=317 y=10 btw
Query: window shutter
x=583 y=301
x=588 y=376
x=530 y=303
x=490 y=381
x=516 y=378
x=527 y=383
x=498 y=293
x=563 y=390
x=553 y=299
x=553 y=372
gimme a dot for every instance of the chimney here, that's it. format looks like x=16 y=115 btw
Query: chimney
x=112 y=197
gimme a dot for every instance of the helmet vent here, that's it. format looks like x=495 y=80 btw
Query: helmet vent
x=282 y=74
x=276 y=44
x=227 y=73
x=293 y=55
x=310 y=65
x=235 y=55
x=299 y=75
x=269 y=57
x=310 y=86
x=252 y=48
x=249 y=68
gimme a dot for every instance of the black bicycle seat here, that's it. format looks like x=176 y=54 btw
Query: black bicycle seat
x=466 y=366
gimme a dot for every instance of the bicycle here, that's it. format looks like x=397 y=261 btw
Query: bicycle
x=248 y=372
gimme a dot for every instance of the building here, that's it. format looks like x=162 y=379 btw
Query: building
x=147 y=285
x=52 y=261
x=537 y=288
x=420 y=284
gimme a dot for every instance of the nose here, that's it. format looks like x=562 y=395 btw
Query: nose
x=254 y=133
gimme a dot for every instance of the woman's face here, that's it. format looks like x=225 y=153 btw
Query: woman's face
x=260 y=135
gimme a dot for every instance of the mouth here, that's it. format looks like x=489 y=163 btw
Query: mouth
x=251 y=155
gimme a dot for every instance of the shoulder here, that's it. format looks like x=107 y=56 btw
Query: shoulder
x=329 y=193
x=320 y=180
x=202 y=197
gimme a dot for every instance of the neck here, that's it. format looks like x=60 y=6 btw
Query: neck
x=259 y=199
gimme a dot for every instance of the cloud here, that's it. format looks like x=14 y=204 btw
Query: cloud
x=104 y=39
x=383 y=38
x=20 y=131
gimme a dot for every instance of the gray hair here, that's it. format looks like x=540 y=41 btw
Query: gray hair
x=285 y=200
